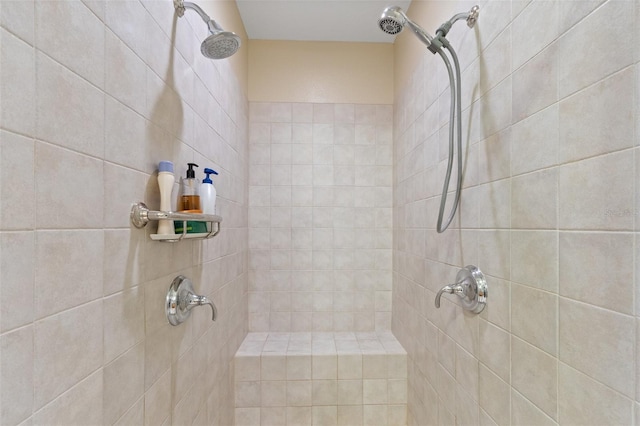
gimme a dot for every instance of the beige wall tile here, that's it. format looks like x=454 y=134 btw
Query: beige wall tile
x=587 y=128
x=118 y=197
x=18 y=83
x=60 y=255
x=125 y=140
x=123 y=322
x=582 y=400
x=609 y=259
x=498 y=312
x=535 y=317
x=524 y=412
x=299 y=393
x=81 y=404
x=535 y=84
x=247 y=416
x=17 y=183
x=122 y=247
x=495 y=350
x=528 y=35
x=534 y=257
x=53 y=20
x=68 y=347
x=495 y=396
x=534 y=373
x=81 y=128
x=17 y=276
x=576 y=71
x=135 y=415
x=299 y=367
x=274 y=393
x=493 y=205
x=494 y=157
x=324 y=392
x=325 y=415
x=581 y=324
x=157 y=401
x=534 y=202
x=494 y=256
x=593 y=192
x=68 y=173
x=17 y=394
x=535 y=141
x=299 y=416
x=19 y=18
x=123 y=383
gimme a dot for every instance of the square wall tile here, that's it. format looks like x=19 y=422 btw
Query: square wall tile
x=581 y=323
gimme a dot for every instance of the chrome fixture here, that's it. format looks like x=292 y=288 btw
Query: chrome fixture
x=181 y=299
x=392 y=21
x=470 y=287
x=220 y=44
x=141 y=215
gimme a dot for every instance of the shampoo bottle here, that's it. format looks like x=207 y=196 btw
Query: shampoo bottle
x=208 y=193
x=165 y=182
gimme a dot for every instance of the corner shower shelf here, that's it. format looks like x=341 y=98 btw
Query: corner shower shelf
x=141 y=215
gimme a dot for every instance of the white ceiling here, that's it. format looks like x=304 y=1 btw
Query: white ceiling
x=316 y=20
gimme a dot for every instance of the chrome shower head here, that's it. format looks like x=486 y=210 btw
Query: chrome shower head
x=393 y=20
x=220 y=44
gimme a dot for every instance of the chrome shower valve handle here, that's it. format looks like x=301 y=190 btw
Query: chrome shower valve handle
x=195 y=300
x=450 y=289
x=181 y=299
x=470 y=287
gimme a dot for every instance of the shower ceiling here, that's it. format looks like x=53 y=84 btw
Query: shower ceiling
x=316 y=20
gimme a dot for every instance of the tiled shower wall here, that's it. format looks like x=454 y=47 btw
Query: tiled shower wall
x=94 y=94
x=320 y=234
x=549 y=212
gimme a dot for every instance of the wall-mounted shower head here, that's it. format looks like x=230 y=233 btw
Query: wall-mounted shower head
x=220 y=44
x=393 y=20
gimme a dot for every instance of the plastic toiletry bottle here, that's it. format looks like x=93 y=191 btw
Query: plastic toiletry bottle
x=165 y=182
x=190 y=199
x=190 y=203
x=208 y=193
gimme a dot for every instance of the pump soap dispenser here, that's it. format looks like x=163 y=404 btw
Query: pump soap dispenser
x=190 y=199
x=190 y=203
x=208 y=193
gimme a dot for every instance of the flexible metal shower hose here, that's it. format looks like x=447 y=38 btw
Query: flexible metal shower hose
x=455 y=107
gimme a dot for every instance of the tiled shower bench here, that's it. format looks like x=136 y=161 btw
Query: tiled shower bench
x=320 y=379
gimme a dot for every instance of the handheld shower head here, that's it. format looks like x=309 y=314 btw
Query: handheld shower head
x=393 y=20
x=220 y=44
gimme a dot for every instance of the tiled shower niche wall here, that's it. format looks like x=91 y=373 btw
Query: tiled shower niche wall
x=320 y=220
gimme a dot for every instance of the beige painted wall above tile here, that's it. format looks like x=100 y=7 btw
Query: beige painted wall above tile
x=320 y=72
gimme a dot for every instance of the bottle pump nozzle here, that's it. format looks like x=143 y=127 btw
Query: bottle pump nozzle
x=191 y=174
x=209 y=172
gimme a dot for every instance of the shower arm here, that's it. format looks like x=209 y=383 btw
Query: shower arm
x=181 y=5
x=471 y=17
